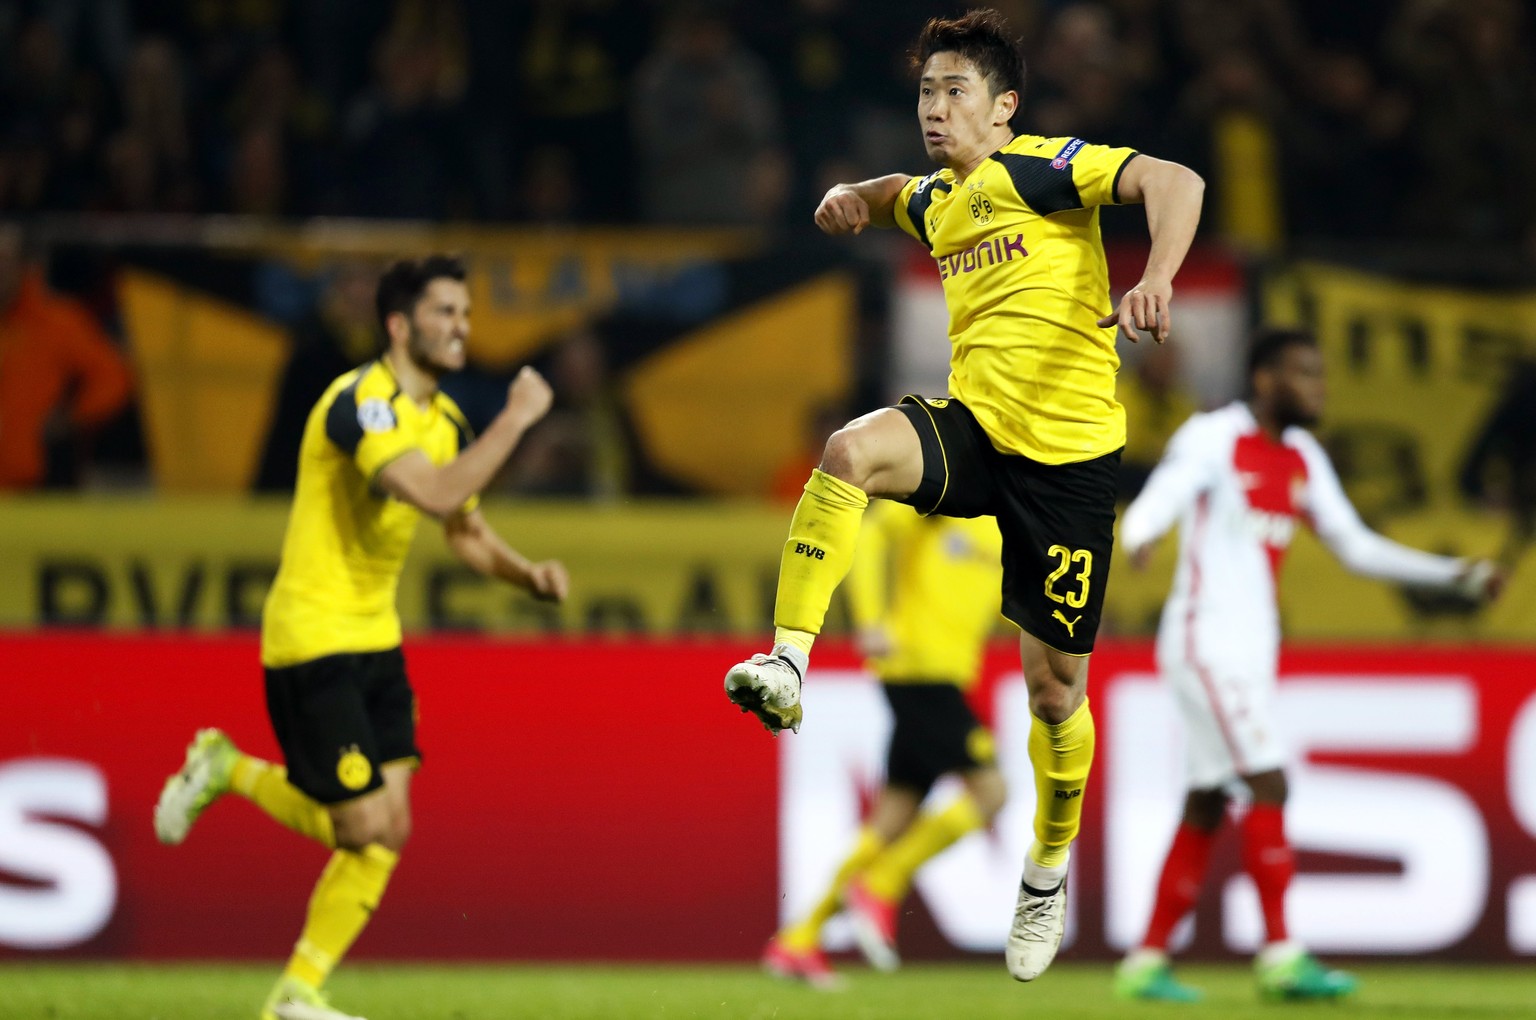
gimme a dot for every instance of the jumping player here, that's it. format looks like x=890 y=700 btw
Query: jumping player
x=1030 y=431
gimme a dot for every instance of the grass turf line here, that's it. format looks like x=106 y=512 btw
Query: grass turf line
x=88 y=991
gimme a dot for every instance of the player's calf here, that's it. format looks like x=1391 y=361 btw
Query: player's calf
x=874 y=925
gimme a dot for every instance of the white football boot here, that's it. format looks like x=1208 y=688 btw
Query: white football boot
x=294 y=1000
x=768 y=686
x=203 y=777
x=1038 y=923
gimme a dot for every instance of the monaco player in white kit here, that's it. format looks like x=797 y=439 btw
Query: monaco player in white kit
x=1237 y=481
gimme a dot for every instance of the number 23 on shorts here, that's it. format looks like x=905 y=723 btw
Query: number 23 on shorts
x=1074 y=598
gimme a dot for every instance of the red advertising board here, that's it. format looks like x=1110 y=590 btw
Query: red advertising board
x=603 y=800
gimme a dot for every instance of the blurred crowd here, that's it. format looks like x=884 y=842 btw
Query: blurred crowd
x=1309 y=118
x=1312 y=121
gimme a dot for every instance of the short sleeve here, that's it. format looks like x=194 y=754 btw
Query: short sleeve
x=912 y=202
x=1096 y=172
x=1066 y=173
x=368 y=431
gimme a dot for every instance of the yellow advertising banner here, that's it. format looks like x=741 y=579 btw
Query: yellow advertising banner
x=647 y=568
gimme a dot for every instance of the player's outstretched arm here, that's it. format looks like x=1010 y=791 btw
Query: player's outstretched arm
x=479 y=547
x=849 y=208
x=1365 y=552
x=1173 y=195
x=441 y=491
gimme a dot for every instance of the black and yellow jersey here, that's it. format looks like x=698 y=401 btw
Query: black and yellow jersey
x=346 y=541
x=933 y=584
x=1018 y=252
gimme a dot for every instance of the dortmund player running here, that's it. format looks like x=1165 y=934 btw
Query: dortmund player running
x=382 y=446
x=1030 y=432
x=923 y=591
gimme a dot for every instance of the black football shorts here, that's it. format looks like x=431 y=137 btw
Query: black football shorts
x=936 y=733
x=1057 y=520
x=340 y=718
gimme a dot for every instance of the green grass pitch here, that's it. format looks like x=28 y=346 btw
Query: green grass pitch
x=487 y=992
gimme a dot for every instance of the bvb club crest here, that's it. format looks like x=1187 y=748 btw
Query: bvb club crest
x=353 y=768
x=981 y=209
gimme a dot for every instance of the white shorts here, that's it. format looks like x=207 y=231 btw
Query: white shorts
x=1231 y=726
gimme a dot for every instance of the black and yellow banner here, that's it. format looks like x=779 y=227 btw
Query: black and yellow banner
x=651 y=568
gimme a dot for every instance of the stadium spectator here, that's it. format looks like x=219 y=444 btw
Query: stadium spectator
x=1083 y=85
x=576 y=63
x=61 y=376
x=150 y=155
x=272 y=138
x=1346 y=125
x=403 y=140
x=706 y=126
x=1468 y=65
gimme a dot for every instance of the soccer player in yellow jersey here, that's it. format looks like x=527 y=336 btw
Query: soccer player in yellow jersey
x=1030 y=432
x=923 y=591
x=382 y=446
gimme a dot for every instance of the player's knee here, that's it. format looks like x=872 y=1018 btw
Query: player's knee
x=356 y=836
x=356 y=829
x=1205 y=809
x=1268 y=787
x=399 y=833
x=1053 y=697
x=846 y=458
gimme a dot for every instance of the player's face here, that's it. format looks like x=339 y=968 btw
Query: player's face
x=1300 y=387
x=961 y=120
x=440 y=327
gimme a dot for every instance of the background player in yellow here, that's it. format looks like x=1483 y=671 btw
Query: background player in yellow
x=1030 y=432
x=923 y=591
x=382 y=446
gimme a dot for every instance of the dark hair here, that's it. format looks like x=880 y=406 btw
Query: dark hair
x=1270 y=343
x=404 y=282
x=981 y=37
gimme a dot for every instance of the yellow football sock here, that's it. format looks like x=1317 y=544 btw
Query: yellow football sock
x=345 y=897
x=806 y=932
x=266 y=785
x=1061 y=754
x=890 y=876
x=822 y=536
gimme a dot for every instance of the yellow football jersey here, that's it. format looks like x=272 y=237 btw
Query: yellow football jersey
x=933 y=583
x=346 y=541
x=1018 y=251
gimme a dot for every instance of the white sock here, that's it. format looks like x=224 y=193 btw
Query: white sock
x=1279 y=952
x=795 y=657
x=1144 y=956
x=1037 y=876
